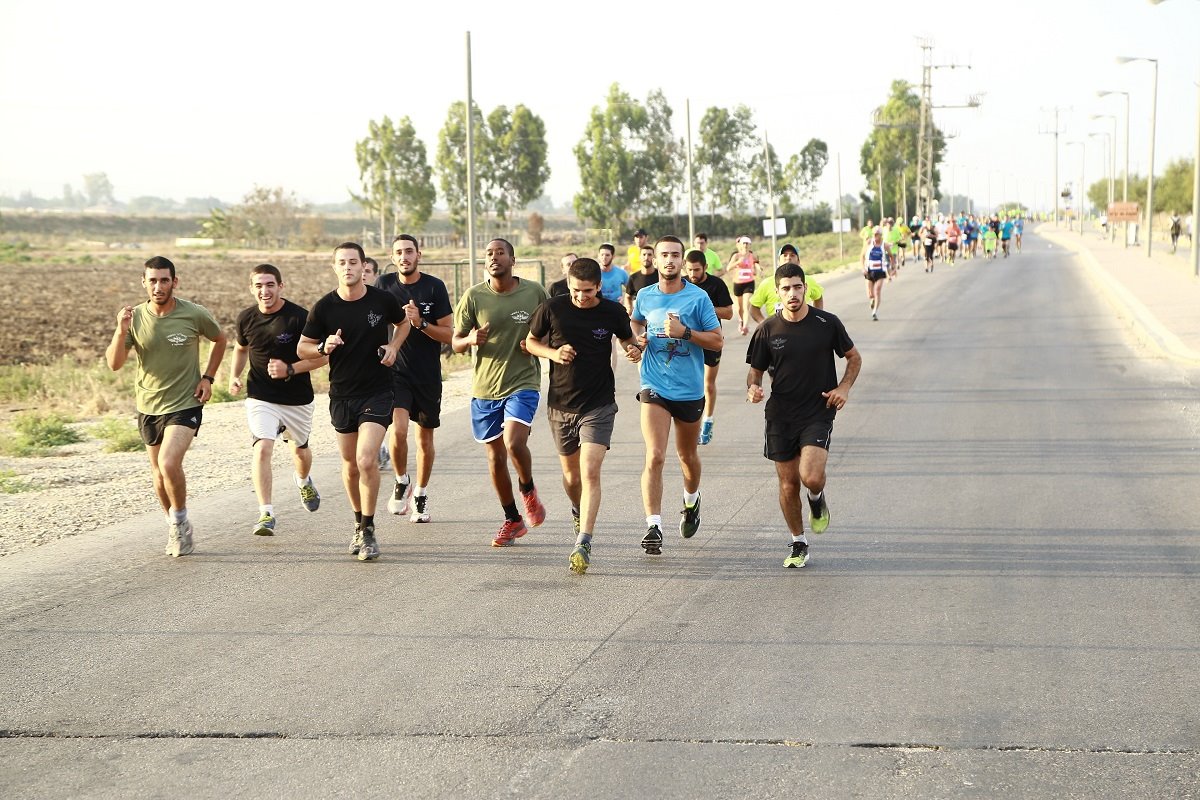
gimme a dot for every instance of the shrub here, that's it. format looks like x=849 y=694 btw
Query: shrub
x=38 y=434
x=119 y=435
x=11 y=483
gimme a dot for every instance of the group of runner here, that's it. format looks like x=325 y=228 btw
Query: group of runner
x=940 y=238
x=382 y=344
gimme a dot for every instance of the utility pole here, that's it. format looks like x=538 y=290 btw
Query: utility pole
x=470 y=121
x=925 y=130
x=1055 y=132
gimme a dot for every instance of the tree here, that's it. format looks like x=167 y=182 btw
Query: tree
x=759 y=178
x=804 y=169
x=535 y=227
x=98 y=189
x=270 y=213
x=396 y=179
x=516 y=158
x=723 y=156
x=1173 y=190
x=892 y=146
x=451 y=164
x=663 y=161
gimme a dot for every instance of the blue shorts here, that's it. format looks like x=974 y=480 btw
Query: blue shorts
x=488 y=416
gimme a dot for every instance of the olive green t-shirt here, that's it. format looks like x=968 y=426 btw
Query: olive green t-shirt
x=168 y=355
x=501 y=367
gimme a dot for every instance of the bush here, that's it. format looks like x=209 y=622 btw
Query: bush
x=11 y=483
x=119 y=435
x=38 y=434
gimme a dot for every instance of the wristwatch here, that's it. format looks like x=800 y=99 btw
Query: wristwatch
x=291 y=372
x=687 y=333
x=208 y=378
x=424 y=324
x=321 y=347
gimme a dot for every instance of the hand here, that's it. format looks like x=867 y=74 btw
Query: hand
x=754 y=394
x=387 y=355
x=412 y=314
x=642 y=339
x=480 y=335
x=633 y=353
x=333 y=342
x=276 y=368
x=564 y=354
x=235 y=384
x=673 y=327
x=203 y=391
x=835 y=398
x=124 y=318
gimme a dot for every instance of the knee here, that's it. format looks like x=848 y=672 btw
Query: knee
x=813 y=480
x=655 y=459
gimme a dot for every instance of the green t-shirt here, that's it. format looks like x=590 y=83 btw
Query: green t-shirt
x=766 y=297
x=501 y=367
x=168 y=355
x=714 y=261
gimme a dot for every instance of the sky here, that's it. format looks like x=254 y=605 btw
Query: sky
x=192 y=100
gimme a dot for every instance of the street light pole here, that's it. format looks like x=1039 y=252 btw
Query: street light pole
x=1150 y=171
x=1081 y=194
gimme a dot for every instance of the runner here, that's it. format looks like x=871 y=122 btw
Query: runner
x=493 y=317
x=897 y=240
x=797 y=346
x=766 y=302
x=929 y=241
x=559 y=287
x=574 y=332
x=744 y=267
x=989 y=241
x=1006 y=232
x=696 y=271
x=279 y=395
x=674 y=322
x=170 y=392
x=613 y=280
x=416 y=374
x=952 y=235
x=874 y=261
x=646 y=276
x=633 y=254
x=371 y=271
x=940 y=227
x=1018 y=230
x=349 y=325
x=710 y=256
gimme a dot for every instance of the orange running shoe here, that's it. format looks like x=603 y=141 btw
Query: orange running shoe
x=509 y=532
x=535 y=512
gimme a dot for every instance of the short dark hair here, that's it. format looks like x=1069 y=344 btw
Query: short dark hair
x=362 y=256
x=408 y=237
x=696 y=257
x=507 y=246
x=649 y=247
x=374 y=264
x=266 y=269
x=608 y=247
x=789 y=271
x=703 y=236
x=160 y=262
x=667 y=238
x=585 y=269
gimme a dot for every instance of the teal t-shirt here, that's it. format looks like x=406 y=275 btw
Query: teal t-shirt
x=674 y=368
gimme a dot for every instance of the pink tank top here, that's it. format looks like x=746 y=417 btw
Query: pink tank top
x=745 y=269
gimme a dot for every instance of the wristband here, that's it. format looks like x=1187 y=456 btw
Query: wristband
x=208 y=378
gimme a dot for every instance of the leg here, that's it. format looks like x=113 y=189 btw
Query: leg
x=592 y=457
x=260 y=470
x=497 y=456
x=572 y=481
x=167 y=462
x=397 y=440
x=425 y=455
x=370 y=436
x=686 y=438
x=348 y=450
x=516 y=441
x=302 y=461
x=812 y=467
x=789 y=495
x=710 y=389
x=160 y=487
x=656 y=426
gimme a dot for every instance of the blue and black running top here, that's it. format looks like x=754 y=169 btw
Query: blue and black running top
x=875 y=258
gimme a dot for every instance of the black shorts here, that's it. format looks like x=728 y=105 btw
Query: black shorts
x=422 y=401
x=875 y=275
x=929 y=252
x=348 y=413
x=784 y=438
x=952 y=245
x=682 y=410
x=740 y=289
x=712 y=358
x=152 y=426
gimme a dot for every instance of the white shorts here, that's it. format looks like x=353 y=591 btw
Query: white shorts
x=271 y=420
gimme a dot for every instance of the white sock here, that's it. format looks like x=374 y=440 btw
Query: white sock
x=654 y=520
x=301 y=482
x=815 y=497
x=419 y=491
x=690 y=498
x=179 y=515
x=267 y=509
x=402 y=478
x=801 y=538
x=708 y=419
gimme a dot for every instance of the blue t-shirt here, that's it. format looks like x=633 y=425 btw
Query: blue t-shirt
x=1020 y=225
x=1006 y=229
x=612 y=283
x=674 y=368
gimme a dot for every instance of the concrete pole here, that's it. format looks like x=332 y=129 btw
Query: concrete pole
x=691 y=175
x=1150 y=174
x=1196 y=192
x=841 y=250
x=470 y=168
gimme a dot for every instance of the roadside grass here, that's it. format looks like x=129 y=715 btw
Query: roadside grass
x=119 y=435
x=12 y=483
x=38 y=434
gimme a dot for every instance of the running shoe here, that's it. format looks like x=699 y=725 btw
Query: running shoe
x=706 y=431
x=652 y=541
x=820 y=514
x=385 y=458
x=875 y=316
x=799 y=556
x=535 y=512
x=399 y=501
x=370 y=548
x=575 y=521
x=356 y=543
x=265 y=526
x=509 y=532
x=581 y=557
x=179 y=539
x=310 y=496
x=420 y=511
x=691 y=520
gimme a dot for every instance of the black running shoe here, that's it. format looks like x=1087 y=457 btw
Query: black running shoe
x=370 y=548
x=691 y=520
x=652 y=541
x=356 y=543
x=799 y=556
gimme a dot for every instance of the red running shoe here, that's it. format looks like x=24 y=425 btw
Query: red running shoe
x=535 y=512
x=509 y=532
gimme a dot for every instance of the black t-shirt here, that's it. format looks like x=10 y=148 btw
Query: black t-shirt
x=799 y=358
x=587 y=382
x=274 y=336
x=420 y=356
x=354 y=368
x=558 y=288
x=640 y=280
x=716 y=290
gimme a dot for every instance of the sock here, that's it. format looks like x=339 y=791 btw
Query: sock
x=690 y=498
x=801 y=538
x=510 y=513
x=708 y=419
x=525 y=488
x=655 y=521
x=368 y=521
x=419 y=491
x=300 y=482
x=812 y=498
x=358 y=517
x=574 y=512
x=402 y=478
x=179 y=515
x=583 y=538
x=267 y=509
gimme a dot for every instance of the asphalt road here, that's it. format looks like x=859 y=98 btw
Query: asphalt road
x=1006 y=602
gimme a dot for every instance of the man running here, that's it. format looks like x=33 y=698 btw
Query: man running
x=559 y=287
x=766 y=302
x=279 y=395
x=633 y=254
x=574 y=333
x=493 y=317
x=797 y=346
x=874 y=266
x=674 y=322
x=170 y=391
x=350 y=326
x=696 y=271
x=711 y=258
x=1006 y=233
x=417 y=373
x=646 y=276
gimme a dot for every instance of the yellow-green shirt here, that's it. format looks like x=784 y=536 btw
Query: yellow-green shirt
x=766 y=297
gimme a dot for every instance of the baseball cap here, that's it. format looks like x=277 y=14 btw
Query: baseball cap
x=789 y=247
x=640 y=232
x=745 y=239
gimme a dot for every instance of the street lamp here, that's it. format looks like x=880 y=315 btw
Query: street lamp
x=1082 y=198
x=1125 y=184
x=1112 y=167
x=1149 y=172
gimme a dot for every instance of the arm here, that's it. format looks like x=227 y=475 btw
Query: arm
x=306 y=348
x=726 y=312
x=205 y=386
x=116 y=353
x=241 y=354
x=709 y=340
x=754 y=390
x=837 y=397
x=400 y=332
x=440 y=331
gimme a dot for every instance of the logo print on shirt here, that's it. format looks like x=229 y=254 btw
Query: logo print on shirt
x=426 y=307
x=600 y=334
x=178 y=339
x=285 y=337
x=520 y=316
x=778 y=342
x=374 y=319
